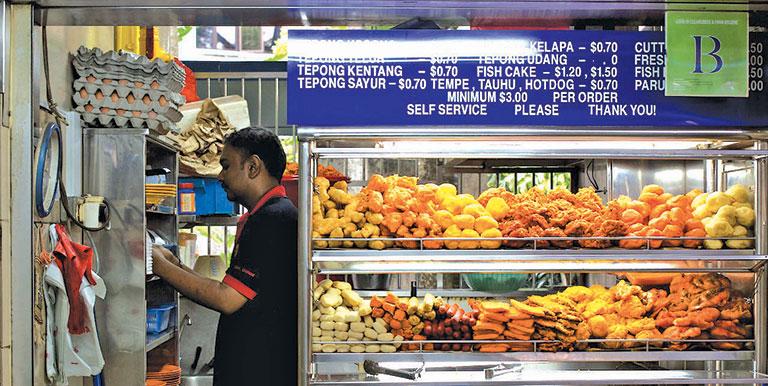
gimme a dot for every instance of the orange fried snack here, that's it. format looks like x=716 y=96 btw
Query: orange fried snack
x=514 y=335
x=494 y=306
x=522 y=323
x=490 y=326
x=494 y=347
x=485 y=336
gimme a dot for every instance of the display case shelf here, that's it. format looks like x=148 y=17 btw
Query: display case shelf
x=562 y=377
x=458 y=293
x=580 y=356
x=352 y=261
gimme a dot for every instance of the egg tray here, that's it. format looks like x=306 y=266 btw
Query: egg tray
x=169 y=111
x=174 y=85
x=128 y=110
x=127 y=87
x=110 y=119
x=161 y=105
x=122 y=61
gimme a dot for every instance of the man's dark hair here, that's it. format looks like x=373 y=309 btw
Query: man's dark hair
x=263 y=143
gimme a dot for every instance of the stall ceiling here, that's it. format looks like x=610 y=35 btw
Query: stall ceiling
x=501 y=13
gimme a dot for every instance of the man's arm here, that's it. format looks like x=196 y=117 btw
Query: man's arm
x=210 y=293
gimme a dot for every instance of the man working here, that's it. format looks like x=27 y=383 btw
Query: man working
x=256 y=340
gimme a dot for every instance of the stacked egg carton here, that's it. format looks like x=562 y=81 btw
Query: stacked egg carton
x=122 y=89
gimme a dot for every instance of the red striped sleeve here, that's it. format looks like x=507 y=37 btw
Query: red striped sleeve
x=238 y=286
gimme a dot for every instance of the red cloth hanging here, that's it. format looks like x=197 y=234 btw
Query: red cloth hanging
x=75 y=261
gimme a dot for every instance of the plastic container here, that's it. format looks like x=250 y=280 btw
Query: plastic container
x=210 y=197
x=158 y=318
x=187 y=248
x=186 y=198
x=495 y=282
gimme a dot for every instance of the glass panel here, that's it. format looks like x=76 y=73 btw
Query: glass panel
x=543 y=181
x=205 y=37
x=226 y=38
x=562 y=180
x=406 y=167
x=250 y=38
x=489 y=180
x=524 y=182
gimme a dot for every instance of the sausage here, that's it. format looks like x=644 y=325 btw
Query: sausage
x=456 y=319
x=452 y=310
x=428 y=329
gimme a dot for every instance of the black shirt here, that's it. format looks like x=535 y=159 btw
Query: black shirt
x=258 y=343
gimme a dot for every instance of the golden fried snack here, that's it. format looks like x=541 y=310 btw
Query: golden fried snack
x=530 y=310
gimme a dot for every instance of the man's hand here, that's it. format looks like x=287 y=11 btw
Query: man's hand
x=210 y=293
x=160 y=252
x=162 y=258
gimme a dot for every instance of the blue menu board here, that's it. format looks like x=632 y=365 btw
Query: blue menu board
x=542 y=78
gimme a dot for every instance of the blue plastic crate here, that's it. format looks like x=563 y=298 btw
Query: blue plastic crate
x=158 y=318
x=210 y=197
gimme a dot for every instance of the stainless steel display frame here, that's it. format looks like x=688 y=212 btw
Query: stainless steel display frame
x=310 y=152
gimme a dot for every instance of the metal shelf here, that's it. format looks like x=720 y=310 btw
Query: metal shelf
x=482 y=151
x=546 y=376
x=188 y=221
x=155 y=340
x=581 y=356
x=351 y=261
x=161 y=209
x=457 y=293
x=496 y=133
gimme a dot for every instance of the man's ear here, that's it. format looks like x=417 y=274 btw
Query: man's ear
x=254 y=165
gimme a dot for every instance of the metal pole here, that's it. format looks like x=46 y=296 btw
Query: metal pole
x=304 y=267
x=609 y=180
x=761 y=248
x=714 y=181
x=710 y=176
x=17 y=279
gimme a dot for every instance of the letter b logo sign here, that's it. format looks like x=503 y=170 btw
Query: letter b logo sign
x=713 y=53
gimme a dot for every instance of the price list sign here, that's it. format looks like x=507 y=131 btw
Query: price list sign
x=549 y=78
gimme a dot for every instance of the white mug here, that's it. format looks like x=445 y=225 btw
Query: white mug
x=88 y=212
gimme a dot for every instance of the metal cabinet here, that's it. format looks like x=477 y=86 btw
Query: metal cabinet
x=114 y=167
x=633 y=149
